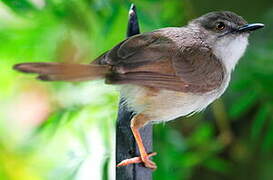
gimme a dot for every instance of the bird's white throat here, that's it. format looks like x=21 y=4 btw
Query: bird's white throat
x=230 y=50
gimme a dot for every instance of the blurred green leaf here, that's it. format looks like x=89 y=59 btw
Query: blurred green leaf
x=259 y=121
x=242 y=104
x=21 y=6
x=218 y=165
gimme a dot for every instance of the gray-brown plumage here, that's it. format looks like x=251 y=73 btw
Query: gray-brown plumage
x=164 y=74
x=159 y=59
x=163 y=59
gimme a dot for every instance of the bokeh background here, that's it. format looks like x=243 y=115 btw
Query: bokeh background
x=66 y=131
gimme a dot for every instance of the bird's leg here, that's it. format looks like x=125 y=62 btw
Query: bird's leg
x=137 y=122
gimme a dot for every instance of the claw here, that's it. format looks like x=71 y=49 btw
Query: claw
x=147 y=162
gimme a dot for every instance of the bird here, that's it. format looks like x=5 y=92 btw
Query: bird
x=166 y=73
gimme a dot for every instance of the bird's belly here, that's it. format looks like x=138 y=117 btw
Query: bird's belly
x=169 y=105
x=164 y=105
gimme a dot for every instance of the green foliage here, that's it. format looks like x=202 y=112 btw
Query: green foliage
x=66 y=131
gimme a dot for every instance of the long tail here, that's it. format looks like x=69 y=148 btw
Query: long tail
x=64 y=72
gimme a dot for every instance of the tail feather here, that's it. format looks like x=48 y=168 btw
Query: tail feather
x=64 y=72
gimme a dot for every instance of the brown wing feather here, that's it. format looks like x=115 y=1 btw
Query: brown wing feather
x=137 y=51
x=149 y=79
x=155 y=60
x=198 y=66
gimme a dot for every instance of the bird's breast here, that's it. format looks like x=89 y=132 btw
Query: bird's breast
x=164 y=105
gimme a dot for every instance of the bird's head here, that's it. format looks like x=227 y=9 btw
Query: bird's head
x=227 y=33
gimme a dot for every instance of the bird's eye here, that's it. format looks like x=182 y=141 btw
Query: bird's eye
x=220 y=26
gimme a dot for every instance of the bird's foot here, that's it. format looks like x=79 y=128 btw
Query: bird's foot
x=146 y=160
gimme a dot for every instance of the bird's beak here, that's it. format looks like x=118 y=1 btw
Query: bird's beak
x=250 y=27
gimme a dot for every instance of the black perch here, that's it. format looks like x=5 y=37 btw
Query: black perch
x=126 y=146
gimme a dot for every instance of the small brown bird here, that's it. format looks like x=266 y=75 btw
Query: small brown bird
x=164 y=74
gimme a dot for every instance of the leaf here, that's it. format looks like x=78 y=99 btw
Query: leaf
x=105 y=168
x=19 y=6
x=268 y=139
x=217 y=164
x=203 y=133
x=259 y=122
x=242 y=104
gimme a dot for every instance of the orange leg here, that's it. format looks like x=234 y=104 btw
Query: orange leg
x=144 y=156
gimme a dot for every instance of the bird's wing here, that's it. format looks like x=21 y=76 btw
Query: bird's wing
x=199 y=68
x=137 y=50
x=154 y=60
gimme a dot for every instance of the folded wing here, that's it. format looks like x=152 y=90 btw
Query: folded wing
x=155 y=60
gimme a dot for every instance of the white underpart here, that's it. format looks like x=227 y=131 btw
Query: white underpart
x=230 y=50
x=168 y=105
